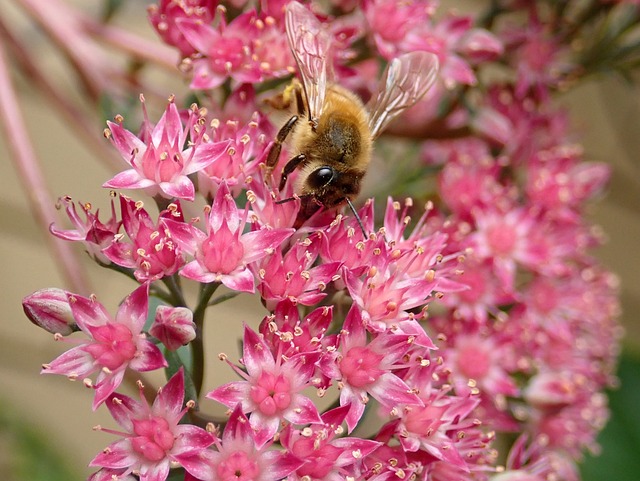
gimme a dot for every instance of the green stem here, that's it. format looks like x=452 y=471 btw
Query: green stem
x=176 y=292
x=197 y=345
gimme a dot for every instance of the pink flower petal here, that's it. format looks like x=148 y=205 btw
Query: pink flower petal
x=125 y=141
x=180 y=187
x=128 y=179
x=231 y=394
x=117 y=455
x=304 y=412
x=87 y=312
x=148 y=357
x=205 y=155
x=134 y=309
x=171 y=396
x=242 y=281
x=258 y=243
x=193 y=270
x=185 y=235
x=76 y=362
x=257 y=355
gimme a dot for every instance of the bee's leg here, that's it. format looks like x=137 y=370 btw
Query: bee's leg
x=300 y=102
x=276 y=148
x=290 y=167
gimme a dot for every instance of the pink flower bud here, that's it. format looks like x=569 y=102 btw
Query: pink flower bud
x=173 y=326
x=50 y=310
x=550 y=389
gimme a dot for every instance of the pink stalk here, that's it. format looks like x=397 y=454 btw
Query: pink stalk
x=29 y=171
x=159 y=54
x=82 y=123
x=63 y=25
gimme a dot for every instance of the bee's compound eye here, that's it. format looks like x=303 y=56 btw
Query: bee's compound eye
x=321 y=177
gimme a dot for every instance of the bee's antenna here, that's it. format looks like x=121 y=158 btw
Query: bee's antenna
x=355 y=213
x=288 y=199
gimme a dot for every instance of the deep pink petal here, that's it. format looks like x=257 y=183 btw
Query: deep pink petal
x=204 y=78
x=155 y=472
x=180 y=187
x=120 y=253
x=238 y=428
x=224 y=209
x=205 y=155
x=281 y=464
x=128 y=179
x=134 y=309
x=231 y=394
x=148 y=357
x=263 y=428
x=256 y=354
x=125 y=141
x=187 y=236
x=117 y=456
x=304 y=412
x=390 y=390
x=241 y=281
x=201 y=37
x=197 y=465
x=105 y=386
x=171 y=396
x=189 y=440
x=87 y=312
x=356 y=408
x=123 y=409
x=257 y=244
x=349 y=445
x=76 y=362
x=193 y=270
x=170 y=126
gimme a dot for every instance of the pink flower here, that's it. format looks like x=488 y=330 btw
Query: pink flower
x=165 y=15
x=483 y=360
x=50 y=310
x=293 y=275
x=505 y=237
x=161 y=158
x=113 y=346
x=173 y=326
x=386 y=292
x=326 y=456
x=94 y=234
x=151 y=251
x=288 y=334
x=240 y=455
x=247 y=149
x=153 y=437
x=272 y=388
x=248 y=49
x=223 y=253
x=364 y=368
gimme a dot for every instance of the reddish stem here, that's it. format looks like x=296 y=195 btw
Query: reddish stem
x=83 y=124
x=24 y=159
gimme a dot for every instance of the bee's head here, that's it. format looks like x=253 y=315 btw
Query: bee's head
x=331 y=187
x=321 y=177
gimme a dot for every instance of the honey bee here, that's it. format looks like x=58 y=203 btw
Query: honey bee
x=333 y=145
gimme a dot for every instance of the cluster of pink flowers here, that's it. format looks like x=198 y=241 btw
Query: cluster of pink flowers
x=479 y=316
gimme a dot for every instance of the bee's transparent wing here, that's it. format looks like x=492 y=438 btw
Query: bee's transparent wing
x=404 y=82
x=310 y=45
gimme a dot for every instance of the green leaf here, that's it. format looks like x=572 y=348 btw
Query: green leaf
x=176 y=360
x=620 y=440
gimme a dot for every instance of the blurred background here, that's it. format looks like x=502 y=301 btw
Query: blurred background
x=45 y=424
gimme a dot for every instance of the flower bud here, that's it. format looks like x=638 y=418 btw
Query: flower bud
x=173 y=326
x=50 y=310
x=550 y=390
